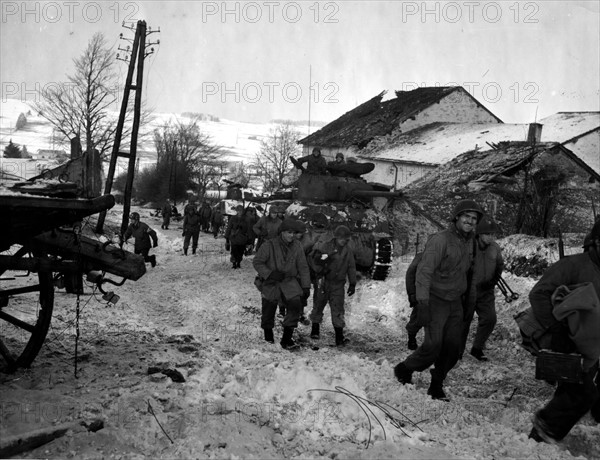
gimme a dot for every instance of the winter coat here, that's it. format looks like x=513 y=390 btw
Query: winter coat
x=338 y=265
x=166 y=210
x=205 y=213
x=237 y=231
x=487 y=267
x=142 y=235
x=191 y=223
x=216 y=218
x=267 y=227
x=276 y=255
x=447 y=258
x=316 y=164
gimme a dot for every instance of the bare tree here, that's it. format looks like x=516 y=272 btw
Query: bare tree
x=272 y=164
x=189 y=151
x=86 y=105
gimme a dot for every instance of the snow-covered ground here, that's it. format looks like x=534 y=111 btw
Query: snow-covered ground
x=245 y=398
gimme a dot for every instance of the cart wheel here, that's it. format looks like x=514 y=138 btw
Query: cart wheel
x=26 y=303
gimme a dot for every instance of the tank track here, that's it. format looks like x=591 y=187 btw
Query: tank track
x=384 y=248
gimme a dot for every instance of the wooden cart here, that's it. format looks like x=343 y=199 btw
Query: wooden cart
x=41 y=245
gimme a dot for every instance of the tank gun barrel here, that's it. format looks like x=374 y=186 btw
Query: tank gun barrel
x=375 y=193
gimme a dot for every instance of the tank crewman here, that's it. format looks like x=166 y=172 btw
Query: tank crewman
x=316 y=163
x=281 y=264
x=236 y=236
x=142 y=234
x=267 y=226
x=332 y=262
x=571 y=401
x=205 y=215
x=166 y=211
x=191 y=229
x=216 y=220
x=487 y=270
x=442 y=281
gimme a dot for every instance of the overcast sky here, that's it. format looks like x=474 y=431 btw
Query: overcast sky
x=254 y=61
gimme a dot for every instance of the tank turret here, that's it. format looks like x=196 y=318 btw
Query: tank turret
x=324 y=202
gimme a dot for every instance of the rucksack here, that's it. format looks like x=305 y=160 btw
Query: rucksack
x=534 y=336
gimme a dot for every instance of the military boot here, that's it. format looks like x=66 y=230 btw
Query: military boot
x=286 y=341
x=403 y=374
x=185 y=251
x=153 y=261
x=269 y=336
x=340 y=340
x=315 y=332
x=436 y=390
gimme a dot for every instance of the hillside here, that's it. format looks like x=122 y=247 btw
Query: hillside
x=240 y=141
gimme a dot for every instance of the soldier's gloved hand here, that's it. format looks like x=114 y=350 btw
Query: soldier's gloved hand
x=276 y=275
x=412 y=300
x=423 y=313
x=351 y=290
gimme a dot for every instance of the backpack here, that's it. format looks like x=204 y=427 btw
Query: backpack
x=534 y=336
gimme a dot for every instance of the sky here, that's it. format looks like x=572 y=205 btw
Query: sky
x=258 y=61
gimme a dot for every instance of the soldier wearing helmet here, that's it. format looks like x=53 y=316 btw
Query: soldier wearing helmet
x=267 y=226
x=487 y=269
x=332 y=262
x=441 y=283
x=142 y=235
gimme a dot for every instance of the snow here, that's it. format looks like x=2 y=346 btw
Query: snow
x=245 y=398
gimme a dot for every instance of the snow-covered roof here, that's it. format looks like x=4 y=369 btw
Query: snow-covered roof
x=564 y=126
x=438 y=143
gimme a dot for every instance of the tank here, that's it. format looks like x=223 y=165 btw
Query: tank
x=324 y=202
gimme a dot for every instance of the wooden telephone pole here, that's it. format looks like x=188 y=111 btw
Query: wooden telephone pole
x=138 y=53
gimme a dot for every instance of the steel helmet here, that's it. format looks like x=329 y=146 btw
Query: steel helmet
x=342 y=232
x=487 y=225
x=465 y=206
x=134 y=216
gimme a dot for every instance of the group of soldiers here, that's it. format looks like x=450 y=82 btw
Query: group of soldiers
x=455 y=276
x=451 y=279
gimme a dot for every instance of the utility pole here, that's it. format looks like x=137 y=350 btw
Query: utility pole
x=138 y=54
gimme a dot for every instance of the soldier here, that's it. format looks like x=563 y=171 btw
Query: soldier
x=142 y=234
x=316 y=163
x=332 y=262
x=487 y=269
x=166 y=215
x=412 y=326
x=441 y=281
x=191 y=229
x=216 y=220
x=236 y=236
x=281 y=264
x=571 y=401
x=267 y=226
x=205 y=215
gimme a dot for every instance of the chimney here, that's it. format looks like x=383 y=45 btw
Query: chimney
x=534 y=136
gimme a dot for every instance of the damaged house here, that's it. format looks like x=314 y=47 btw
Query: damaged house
x=407 y=111
x=536 y=188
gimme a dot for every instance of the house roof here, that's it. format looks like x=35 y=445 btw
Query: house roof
x=565 y=126
x=438 y=143
x=376 y=118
